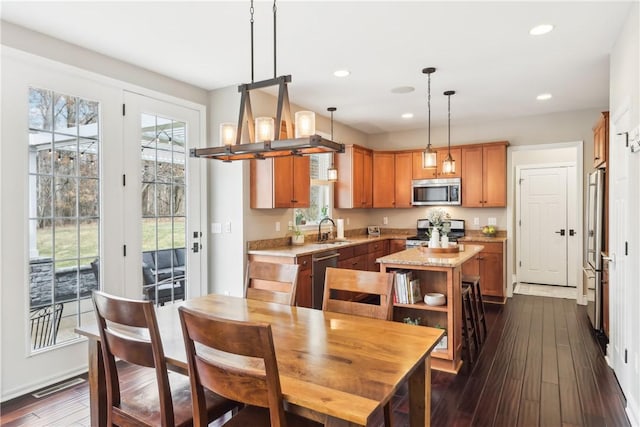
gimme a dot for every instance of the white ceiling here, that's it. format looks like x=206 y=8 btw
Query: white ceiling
x=482 y=50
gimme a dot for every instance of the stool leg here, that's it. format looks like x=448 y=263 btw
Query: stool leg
x=466 y=348
x=481 y=304
x=476 y=317
x=474 y=328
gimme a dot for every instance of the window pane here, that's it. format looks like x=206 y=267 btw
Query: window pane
x=41 y=282
x=178 y=232
x=89 y=238
x=66 y=240
x=41 y=242
x=65 y=114
x=41 y=190
x=64 y=156
x=149 y=234
x=88 y=197
x=164 y=169
x=40 y=152
x=178 y=200
x=65 y=197
x=148 y=200
x=88 y=158
x=165 y=233
x=88 y=118
x=40 y=111
x=164 y=199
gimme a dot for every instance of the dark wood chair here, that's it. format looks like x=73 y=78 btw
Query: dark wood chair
x=362 y=293
x=129 y=331
x=271 y=282
x=236 y=360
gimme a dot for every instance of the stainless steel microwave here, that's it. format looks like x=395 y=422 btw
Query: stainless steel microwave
x=445 y=191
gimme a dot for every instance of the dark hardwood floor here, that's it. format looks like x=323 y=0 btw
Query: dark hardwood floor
x=540 y=366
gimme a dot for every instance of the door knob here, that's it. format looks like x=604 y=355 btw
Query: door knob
x=561 y=232
x=572 y=232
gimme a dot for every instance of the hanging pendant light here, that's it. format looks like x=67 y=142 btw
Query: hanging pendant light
x=266 y=135
x=449 y=165
x=429 y=155
x=332 y=172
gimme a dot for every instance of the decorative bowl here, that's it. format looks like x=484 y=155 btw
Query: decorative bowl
x=434 y=298
x=489 y=233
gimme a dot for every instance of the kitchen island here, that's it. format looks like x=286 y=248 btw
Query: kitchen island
x=436 y=272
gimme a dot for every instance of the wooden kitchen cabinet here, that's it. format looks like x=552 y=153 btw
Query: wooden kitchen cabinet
x=376 y=250
x=418 y=172
x=489 y=264
x=354 y=188
x=392 y=180
x=397 y=245
x=601 y=141
x=484 y=175
x=282 y=182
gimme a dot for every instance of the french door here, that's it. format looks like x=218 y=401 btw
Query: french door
x=162 y=216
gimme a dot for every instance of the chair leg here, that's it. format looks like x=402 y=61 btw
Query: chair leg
x=475 y=315
x=481 y=310
x=466 y=347
x=387 y=414
x=473 y=329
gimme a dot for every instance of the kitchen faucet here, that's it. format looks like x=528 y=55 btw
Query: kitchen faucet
x=320 y=238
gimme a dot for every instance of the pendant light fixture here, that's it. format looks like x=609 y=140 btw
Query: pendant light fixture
x=332 y=172
x=265 y=133
x=429 y=155
x=449 y=165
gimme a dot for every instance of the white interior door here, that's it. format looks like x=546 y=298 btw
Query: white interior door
x=163 y=197
x=543 y=226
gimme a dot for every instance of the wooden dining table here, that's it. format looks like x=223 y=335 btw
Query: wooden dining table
x=334 y=368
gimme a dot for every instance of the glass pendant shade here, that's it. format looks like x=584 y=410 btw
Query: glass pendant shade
x=305 y=123
x=449 y=165
x=264 y=129
x=227 y=133
x=332 y=174
x=429 y=158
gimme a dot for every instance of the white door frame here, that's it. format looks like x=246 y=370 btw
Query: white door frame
x=511 y=204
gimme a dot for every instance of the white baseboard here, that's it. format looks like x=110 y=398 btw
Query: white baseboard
x=31 y=387
x=633 y=411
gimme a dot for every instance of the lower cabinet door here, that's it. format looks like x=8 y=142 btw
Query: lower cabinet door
x=491 y=274
x=303 y=291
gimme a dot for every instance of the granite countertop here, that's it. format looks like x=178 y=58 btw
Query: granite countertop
x=415 y=257
x=311 y=248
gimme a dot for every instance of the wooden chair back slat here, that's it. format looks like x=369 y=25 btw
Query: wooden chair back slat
x=116 y=319
x=357 y=292
x=224 y=361
x=271 y=282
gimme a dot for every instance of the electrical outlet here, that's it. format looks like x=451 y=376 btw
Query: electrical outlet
x=347 y=221
x=492 y=221
x=227 y=227
x=476 y=221
x=385 y=220
x=277 y=225
x=216 y=228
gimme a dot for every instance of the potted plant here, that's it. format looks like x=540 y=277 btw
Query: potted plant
x=300 y=219
x=297 y=236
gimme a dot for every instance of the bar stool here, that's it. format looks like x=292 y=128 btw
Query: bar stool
x=474 y=281
x=473 y=313
x=469 y=329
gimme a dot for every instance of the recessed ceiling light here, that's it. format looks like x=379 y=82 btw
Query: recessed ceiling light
x=539 y=30
x=544 y=96
x=341 y=73
x=407 y=116
x=403 y=89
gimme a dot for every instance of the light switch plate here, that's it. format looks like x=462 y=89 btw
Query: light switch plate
x=492 y=221
x=216 y=228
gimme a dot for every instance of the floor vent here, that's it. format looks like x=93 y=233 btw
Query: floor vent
x=55 y=388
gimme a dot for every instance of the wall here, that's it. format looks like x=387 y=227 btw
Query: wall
x=625 y=95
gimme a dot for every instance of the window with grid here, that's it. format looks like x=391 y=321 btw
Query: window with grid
x=321 y=194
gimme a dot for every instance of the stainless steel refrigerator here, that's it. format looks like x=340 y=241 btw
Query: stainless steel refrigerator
x=593 y=247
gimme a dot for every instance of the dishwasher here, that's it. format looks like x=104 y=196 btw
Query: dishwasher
x=320 y=262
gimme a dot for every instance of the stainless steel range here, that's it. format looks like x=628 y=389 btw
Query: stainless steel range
x=424 y=230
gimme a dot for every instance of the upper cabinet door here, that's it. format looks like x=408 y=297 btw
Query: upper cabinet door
x=456 y=154
x=354 y=188
x=494 y=179
x=403 y=180
x=384 y=180
x=471 y=185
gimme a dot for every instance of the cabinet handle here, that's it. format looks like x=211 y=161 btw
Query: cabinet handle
x=596 y=158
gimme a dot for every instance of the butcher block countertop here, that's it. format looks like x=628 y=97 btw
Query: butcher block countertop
x=416 y=257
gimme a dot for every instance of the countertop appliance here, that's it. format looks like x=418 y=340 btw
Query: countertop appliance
x=442 y=191
x=424 y=232
x=319 y=264
x=593 y=247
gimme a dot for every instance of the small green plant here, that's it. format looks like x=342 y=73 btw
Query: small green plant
x=441 y=327
x=300 y=219
x=324 y=211
x=295 y=230
x=410 y=321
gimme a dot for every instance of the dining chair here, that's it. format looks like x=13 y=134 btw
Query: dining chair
x=154 y=397
x=362 y=293
x=271 y=282
x=237 y=360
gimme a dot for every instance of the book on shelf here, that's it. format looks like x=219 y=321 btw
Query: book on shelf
x=415 y=295
x=404 y=292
